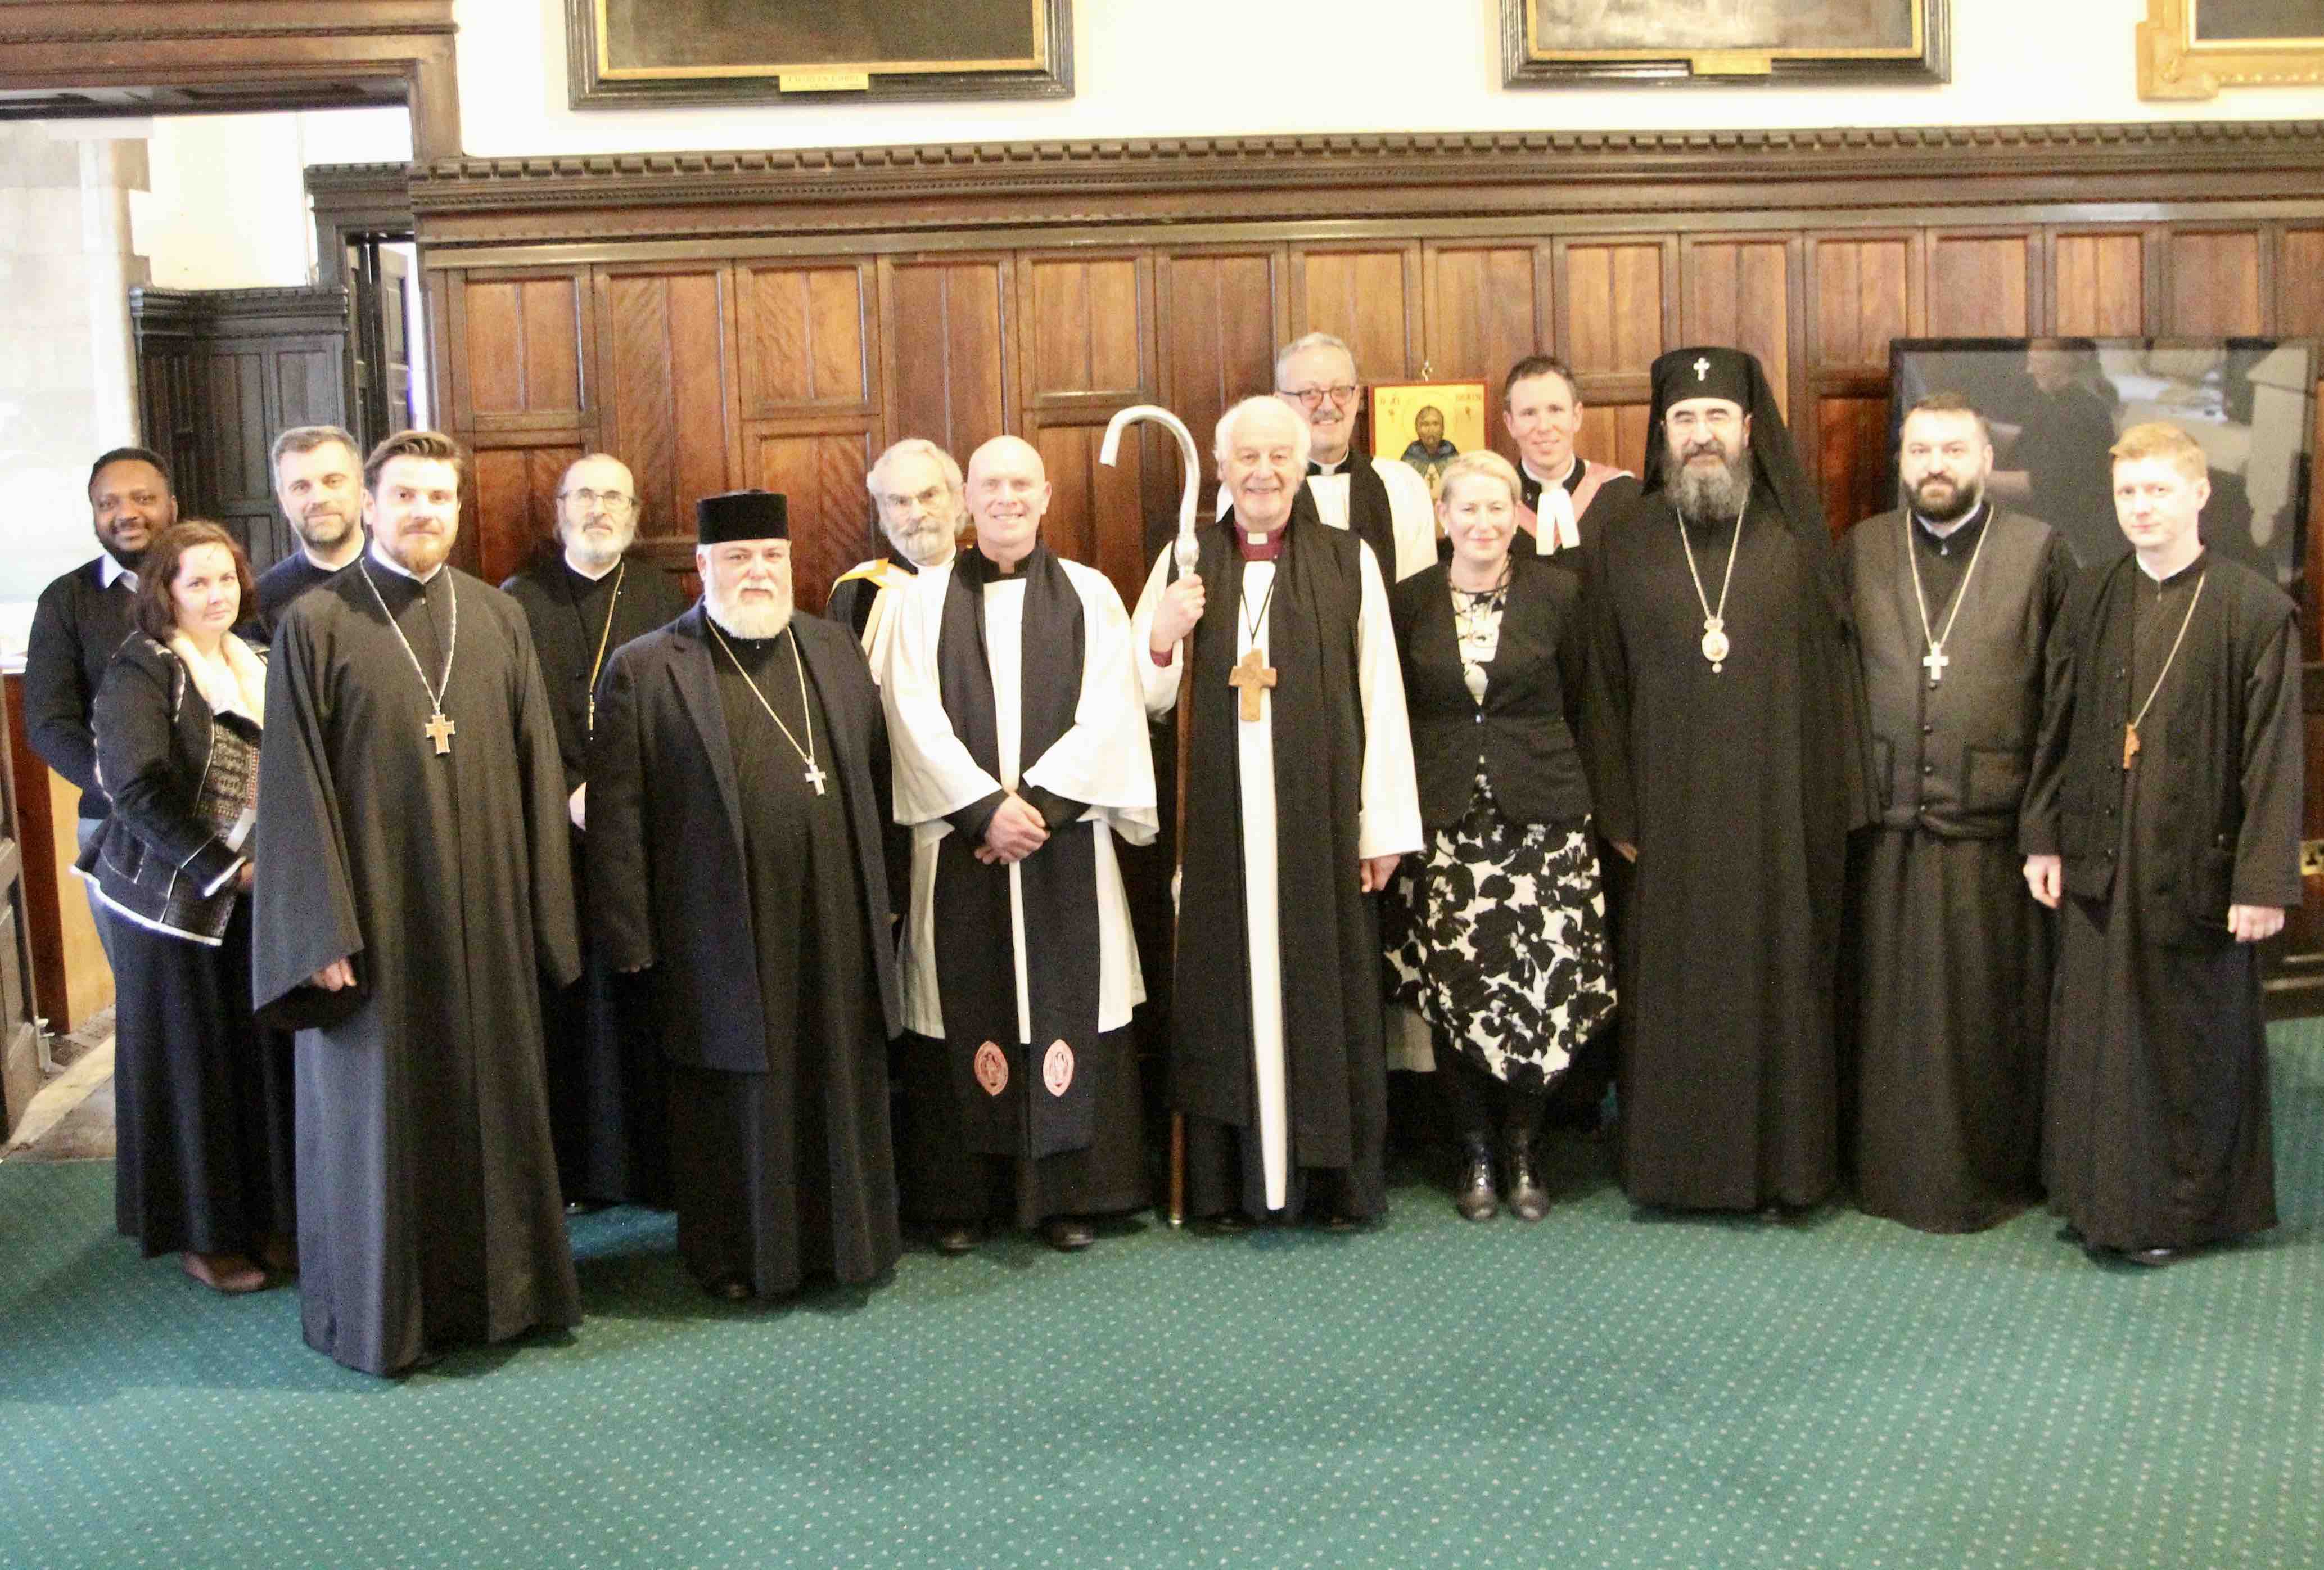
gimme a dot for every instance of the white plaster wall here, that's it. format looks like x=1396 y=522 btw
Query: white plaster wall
x=1174 y=67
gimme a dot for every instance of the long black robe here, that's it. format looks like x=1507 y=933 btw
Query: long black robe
x=760 y=910
x=2156 y=1124
x=1947 y=994
x=1737 y=788
x=428 y=1206
x=606 y=1112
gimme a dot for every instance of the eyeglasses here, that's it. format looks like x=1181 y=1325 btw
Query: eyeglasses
x=614 y=501
x=1337 y=393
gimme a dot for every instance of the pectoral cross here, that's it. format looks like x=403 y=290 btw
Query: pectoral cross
x=1936 y=660
x=439 y=730
x=1702 y=369
x=2129 y=745
x=1250 y=678
x=816 y=776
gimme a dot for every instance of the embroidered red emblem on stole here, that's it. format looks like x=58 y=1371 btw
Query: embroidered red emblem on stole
x=1058 y=1068
x=992 y=1068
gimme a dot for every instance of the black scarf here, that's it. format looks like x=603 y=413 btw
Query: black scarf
x=976 y=949
x=1370 y=518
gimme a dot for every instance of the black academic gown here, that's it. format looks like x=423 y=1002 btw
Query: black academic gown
x=428 y=1204
x=1737 y=788
x=605 y=1091
x=1946 y=1005
x=760 y=910
x=2156 y=1122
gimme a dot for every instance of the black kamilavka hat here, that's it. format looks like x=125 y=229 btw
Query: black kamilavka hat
x=733 y=515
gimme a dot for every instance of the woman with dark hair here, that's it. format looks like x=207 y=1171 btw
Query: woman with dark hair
x=202 y=1096
x=1497 y=934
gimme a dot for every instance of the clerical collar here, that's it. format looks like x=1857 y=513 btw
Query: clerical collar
x=2163 y=582
x=1317 y=466
x=600 y=575
x=1536 y=483
x=1254 y=545
x=109 y=571
x=972 y=566
x=1946 y=533
x=378 y=554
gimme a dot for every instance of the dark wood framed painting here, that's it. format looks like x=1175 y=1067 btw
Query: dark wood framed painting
x=643 y=53
x=1647 y=42
x=2191 y=48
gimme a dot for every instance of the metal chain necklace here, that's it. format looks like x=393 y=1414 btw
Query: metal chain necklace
x=2130 y=731
x=439 y=729
x=1936 y=658
x=1715 y=645
x=612 y=607
x=815 y=774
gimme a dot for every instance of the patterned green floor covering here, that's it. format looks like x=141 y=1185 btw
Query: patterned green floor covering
x=1600 y=1390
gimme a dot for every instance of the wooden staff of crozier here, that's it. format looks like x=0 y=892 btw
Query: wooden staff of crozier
x=1184 y=554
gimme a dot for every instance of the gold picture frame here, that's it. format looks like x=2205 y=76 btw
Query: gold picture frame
x=639 y=53
x=1586 y=42
x=2176 y=60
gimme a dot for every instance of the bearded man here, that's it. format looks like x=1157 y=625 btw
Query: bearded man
x=319 y=485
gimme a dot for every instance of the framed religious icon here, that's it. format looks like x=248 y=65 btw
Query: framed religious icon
x=2055 y=406
x=2191 y=48
x=654 y=52
x=1648 y=42
x=1427 y=424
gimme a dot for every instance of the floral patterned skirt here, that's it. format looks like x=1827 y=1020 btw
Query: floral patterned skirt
x=1497 y=935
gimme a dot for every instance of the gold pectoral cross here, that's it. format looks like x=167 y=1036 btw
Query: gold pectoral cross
x=1250 y=678
x=440 y=730
x=2129 y=745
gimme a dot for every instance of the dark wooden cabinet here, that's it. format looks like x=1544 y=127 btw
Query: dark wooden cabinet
x=220 y=372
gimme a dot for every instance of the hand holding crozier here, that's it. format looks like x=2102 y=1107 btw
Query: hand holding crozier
x=1180 y=608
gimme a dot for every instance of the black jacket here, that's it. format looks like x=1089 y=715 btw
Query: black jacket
x=667 y=880
x=154 y=859
x=76 y=627
x=1524 y=732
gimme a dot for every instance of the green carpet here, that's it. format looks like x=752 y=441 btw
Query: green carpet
x=1600 y=1390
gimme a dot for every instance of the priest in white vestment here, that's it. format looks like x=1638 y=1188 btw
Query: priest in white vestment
x=1019 y=745
x=1300 y=801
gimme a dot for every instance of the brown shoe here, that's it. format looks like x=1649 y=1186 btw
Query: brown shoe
x=1068 y=1234
x=229 y=1273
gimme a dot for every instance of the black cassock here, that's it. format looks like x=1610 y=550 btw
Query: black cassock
x=429 y=1209
x=1947 y=999
x=1737 y=788
x=2156 y=1120
x=762 y=908
x=604 y=1090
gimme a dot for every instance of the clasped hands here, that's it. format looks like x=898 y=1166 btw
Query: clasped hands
x=2046 y=877
x=1015 y=832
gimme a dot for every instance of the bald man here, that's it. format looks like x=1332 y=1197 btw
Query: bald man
x=1019 y=742
x=586 y=597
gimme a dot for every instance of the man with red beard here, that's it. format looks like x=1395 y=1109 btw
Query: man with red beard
x=1724 y=722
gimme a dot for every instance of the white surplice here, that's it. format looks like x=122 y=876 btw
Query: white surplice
x=1387 y=822
x=1103 y=760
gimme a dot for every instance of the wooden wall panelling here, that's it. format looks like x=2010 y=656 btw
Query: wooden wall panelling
x=2299 y=285
x=1615 y=306
x=2099 y=282
x=1370 y=295
x=1484 y=307
x=1743 y=291
x=1089 y=349
x=950 y=374
x=514 y=507
x=810 y=336
x=1984 y=282
x=819 y=467
x=1866 y=292
x=665 y=376
x=521 y=341
x=2220 y=283
x=1219 y=316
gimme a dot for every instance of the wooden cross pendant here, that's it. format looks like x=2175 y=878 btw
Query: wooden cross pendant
x=1936 y=660
x=2129 y=745
x=1250 y=678
x=439 y=730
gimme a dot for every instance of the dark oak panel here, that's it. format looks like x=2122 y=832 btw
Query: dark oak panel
x=2101 y=284
x=1484 y=315
x=1852 y=440
x=1862 y=299
x=1617 y=434
x=1611 y=297
x=2299 y=285
x=1978 y=285
x=2215 y=284
x=1096 y=515
x=822 y=475
x=1740 y=293
x=515 y=505
x=667 y=413
x=948 y=371
x=522 y=349
x=1087 y=321
x=806 y=338
x=1364 y=297
x=1220 y=344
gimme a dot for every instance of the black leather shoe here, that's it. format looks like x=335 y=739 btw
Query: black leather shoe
x=730 y=1288
x=1472 y=1193
x=1528 y=1200
x=1225 y=1223
x=1068 y=1234
x=955 y=1241
x=2154 y=1259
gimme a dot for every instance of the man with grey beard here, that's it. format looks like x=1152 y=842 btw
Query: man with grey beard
x=1723 y=723
x=584 y=597
x=916 y=487
x=734 y=856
